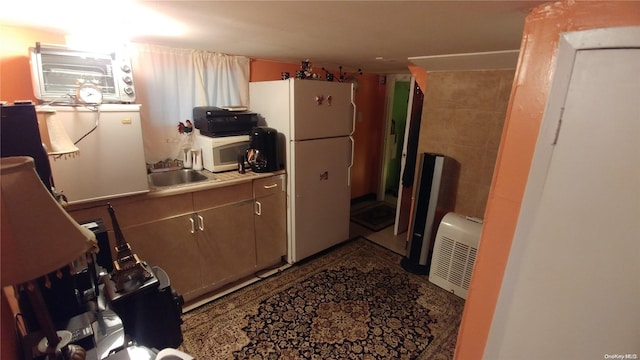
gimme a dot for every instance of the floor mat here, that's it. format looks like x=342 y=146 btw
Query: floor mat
x=375 y=217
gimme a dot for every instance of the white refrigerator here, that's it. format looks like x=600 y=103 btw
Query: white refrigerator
x=111 y=160
x=316 y=120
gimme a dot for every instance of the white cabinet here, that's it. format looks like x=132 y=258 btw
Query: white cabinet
x=111 y=159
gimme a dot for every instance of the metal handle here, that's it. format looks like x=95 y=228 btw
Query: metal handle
x=350 y=162
x=200 y=223
x=270 y=186
x=353 y=105
x=258 y=208
x=193 y=228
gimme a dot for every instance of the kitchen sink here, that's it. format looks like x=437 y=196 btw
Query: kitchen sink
x=177 y=177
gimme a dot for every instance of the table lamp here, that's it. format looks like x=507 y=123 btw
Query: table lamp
x=37 y=237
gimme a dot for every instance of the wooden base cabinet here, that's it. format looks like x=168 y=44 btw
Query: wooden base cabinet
x=204 y=239
x=206 y=248
x=270 y=220
x=169 y=244
x=227 y=249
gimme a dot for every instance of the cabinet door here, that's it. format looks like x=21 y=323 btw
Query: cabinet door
x=270 y=220
x=170 y=245
x=226 y=243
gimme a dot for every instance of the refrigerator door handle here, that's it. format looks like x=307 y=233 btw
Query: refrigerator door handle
x=350 y=161
x=353 y=117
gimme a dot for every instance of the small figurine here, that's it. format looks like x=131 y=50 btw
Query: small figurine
x=306 y=72
x=182 y=128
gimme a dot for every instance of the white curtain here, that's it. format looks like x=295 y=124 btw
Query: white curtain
x=170 y=82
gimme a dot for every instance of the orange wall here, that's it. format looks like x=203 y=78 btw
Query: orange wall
x=524 y=115
x=15 y=75
x=368 y=135
x=419 y=74
x=265 y=70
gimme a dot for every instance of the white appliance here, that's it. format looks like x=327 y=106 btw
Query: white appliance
x=111 y=159
x=57 y=71
x=316 y=120
x=221 y=153
x=454 y=253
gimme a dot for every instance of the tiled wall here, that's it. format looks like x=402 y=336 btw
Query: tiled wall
x=462 y=117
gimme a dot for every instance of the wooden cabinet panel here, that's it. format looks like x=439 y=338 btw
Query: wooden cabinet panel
x=207 y=199
x=135 y=210
x=268 y=186
x=270 y=220
x=153 y=209
x=226 y=243
x=169 y=244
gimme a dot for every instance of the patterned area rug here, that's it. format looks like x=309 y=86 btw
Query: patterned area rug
x=354 y=302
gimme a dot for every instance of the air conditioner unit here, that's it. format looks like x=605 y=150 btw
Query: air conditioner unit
x=454 y=253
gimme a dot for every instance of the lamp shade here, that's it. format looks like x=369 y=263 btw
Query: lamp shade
x=38 y=235
x=54 y=136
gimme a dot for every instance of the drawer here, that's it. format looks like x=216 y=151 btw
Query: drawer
x=152 y=209
x=269 y=185
x=135 y=210
x=208 y=199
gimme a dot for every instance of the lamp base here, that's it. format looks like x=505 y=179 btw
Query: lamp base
x=63 y=350
x=65 y=337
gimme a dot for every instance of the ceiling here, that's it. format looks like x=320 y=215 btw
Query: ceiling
x=375 y=36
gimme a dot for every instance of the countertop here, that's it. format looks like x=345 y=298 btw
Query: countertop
x=216 y=180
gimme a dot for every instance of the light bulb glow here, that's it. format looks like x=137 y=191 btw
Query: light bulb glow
x=86 y=22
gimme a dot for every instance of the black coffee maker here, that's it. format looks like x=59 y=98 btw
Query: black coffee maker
x=262 y=154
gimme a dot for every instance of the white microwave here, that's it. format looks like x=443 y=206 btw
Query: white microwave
x=221 y=153
x=58 y=72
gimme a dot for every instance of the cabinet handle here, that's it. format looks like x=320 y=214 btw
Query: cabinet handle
x=193 y=228
x=270 y=186
x=200 y=223
x=258 y=208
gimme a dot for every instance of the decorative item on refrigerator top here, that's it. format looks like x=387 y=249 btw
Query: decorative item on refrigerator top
x=217 y=122
x=262 y=154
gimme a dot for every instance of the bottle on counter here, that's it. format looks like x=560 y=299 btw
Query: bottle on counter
x=187 y=161
x=197 y=159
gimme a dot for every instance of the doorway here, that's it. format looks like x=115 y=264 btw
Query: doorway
x=402 y=121
x=398 y=88
x=395 y=139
